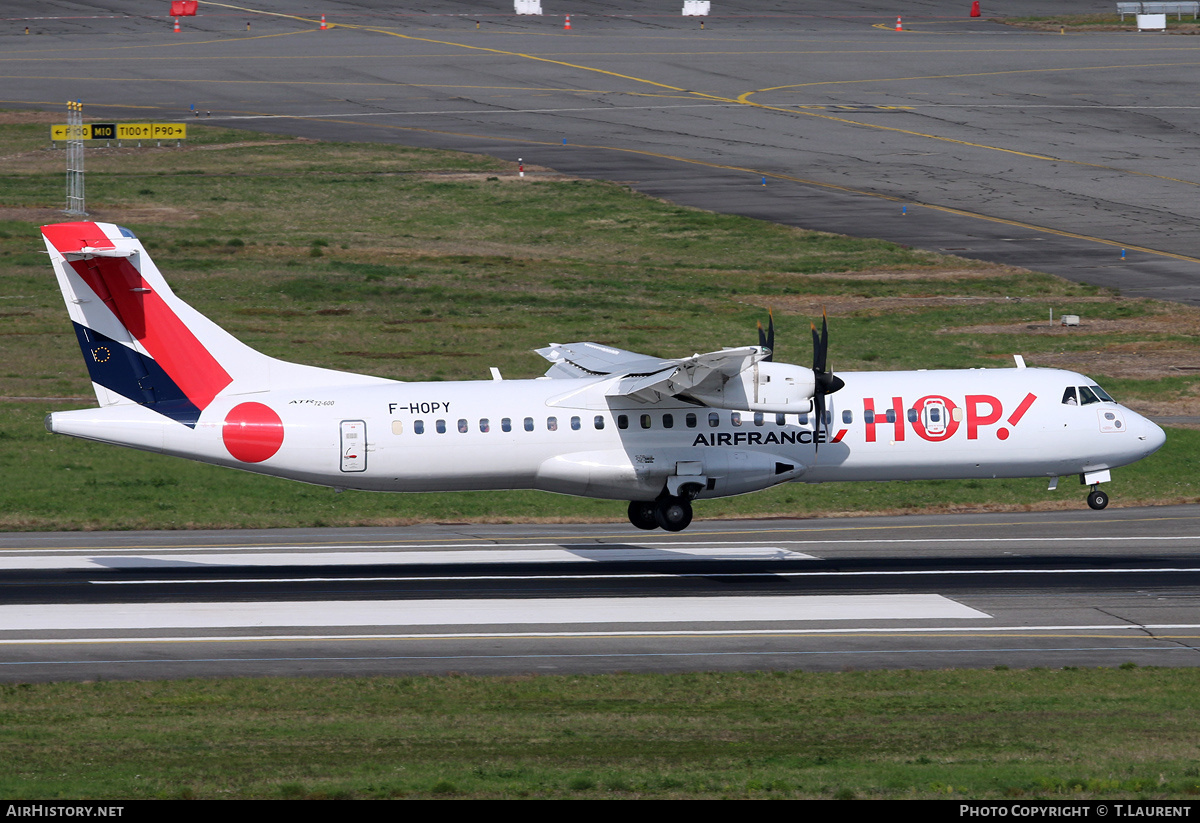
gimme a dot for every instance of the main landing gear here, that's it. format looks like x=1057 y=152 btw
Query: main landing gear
x=1097 y=499
x=669 y=513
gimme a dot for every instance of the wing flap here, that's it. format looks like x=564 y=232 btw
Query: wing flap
x=648 y=378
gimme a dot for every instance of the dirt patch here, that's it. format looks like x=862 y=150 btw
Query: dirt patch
x=248 y=144
x=1181 y=321
x=847 y=305
x=1142 y=363
x=147 y=214
x=38 y=216
x=982 y=272
x=24 y=118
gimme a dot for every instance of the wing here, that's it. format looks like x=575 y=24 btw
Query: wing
x=649 y=378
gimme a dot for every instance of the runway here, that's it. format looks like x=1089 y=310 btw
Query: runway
x=1068 y=154
x=1071 y=154
x=1018 y=590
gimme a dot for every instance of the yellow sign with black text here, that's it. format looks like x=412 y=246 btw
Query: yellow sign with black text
x=121 y=131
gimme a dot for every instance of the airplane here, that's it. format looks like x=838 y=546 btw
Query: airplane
x=602 y=423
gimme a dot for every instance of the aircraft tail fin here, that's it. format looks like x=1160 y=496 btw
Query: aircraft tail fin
x=141 y=343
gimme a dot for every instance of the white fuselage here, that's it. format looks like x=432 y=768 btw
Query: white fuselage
x=566 y=435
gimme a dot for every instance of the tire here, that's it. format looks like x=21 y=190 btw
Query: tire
x=641 y=514
x=673 y=514
x=1097 y=499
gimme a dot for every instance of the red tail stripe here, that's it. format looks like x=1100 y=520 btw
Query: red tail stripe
x=69 y=237
x=147 y=317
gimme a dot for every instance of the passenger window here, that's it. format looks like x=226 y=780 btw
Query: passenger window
x=891 y=416
x=668 y=421
x=622 y=421
x=690 y=420
x=484 y=426
x=758 y=418
x=463 y=426
x=1069 y=398
x=645 y=421
x=802 y=418
x=913 y=416
x=441 y=426
x=552 y=424
x=418 y=427
x=599 y=422
x=506 y=424
x=736 y=418
x=868 y=416
x=528 y=424
x=781 y=420
x=847 y=416
x=575 y=424
x=714 y=420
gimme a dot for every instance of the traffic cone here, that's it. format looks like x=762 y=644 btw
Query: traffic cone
x=975 y=9
x=567 y=25
x=323 y=24
x=899 y=25
x=177 y=25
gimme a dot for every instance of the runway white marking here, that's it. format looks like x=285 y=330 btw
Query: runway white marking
x=1138 y=630
x=554 y=553
x=565 y=611
x=458 y=548
x=210 y=581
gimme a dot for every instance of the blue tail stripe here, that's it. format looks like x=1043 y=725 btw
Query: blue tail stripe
x=134 y=376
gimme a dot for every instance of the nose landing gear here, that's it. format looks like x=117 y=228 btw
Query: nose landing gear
x=1097 y=499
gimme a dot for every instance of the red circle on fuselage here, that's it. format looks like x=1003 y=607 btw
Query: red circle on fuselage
x=252 y=432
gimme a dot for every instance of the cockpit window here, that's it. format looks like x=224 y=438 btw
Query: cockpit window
x=1086 y=396
x=1102 y=394
x=1069 y=398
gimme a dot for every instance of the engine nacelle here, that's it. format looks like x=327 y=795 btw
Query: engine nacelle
x=779 y=388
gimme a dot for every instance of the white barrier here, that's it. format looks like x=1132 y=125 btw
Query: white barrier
x=527 y=6
x=696 y=8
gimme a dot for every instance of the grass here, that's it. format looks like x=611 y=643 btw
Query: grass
x=1082 y=23
x=1115 y=733
x=420 y=265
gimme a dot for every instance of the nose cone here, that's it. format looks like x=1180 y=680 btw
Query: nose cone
x=1152 y=435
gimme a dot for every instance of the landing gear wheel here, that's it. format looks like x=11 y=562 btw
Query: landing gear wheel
x=1097 y=499
x=641 y=514
x=673 y=514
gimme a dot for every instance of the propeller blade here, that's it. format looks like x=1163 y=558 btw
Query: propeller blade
x=826 y=382
x=767 y=339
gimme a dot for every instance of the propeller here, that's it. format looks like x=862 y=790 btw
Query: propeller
x=826 y=381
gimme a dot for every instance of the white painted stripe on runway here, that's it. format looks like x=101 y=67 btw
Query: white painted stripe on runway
x=565 y=611
x=1136 y=629
x=212 y=581
x=666 y=544
x=557 y=554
